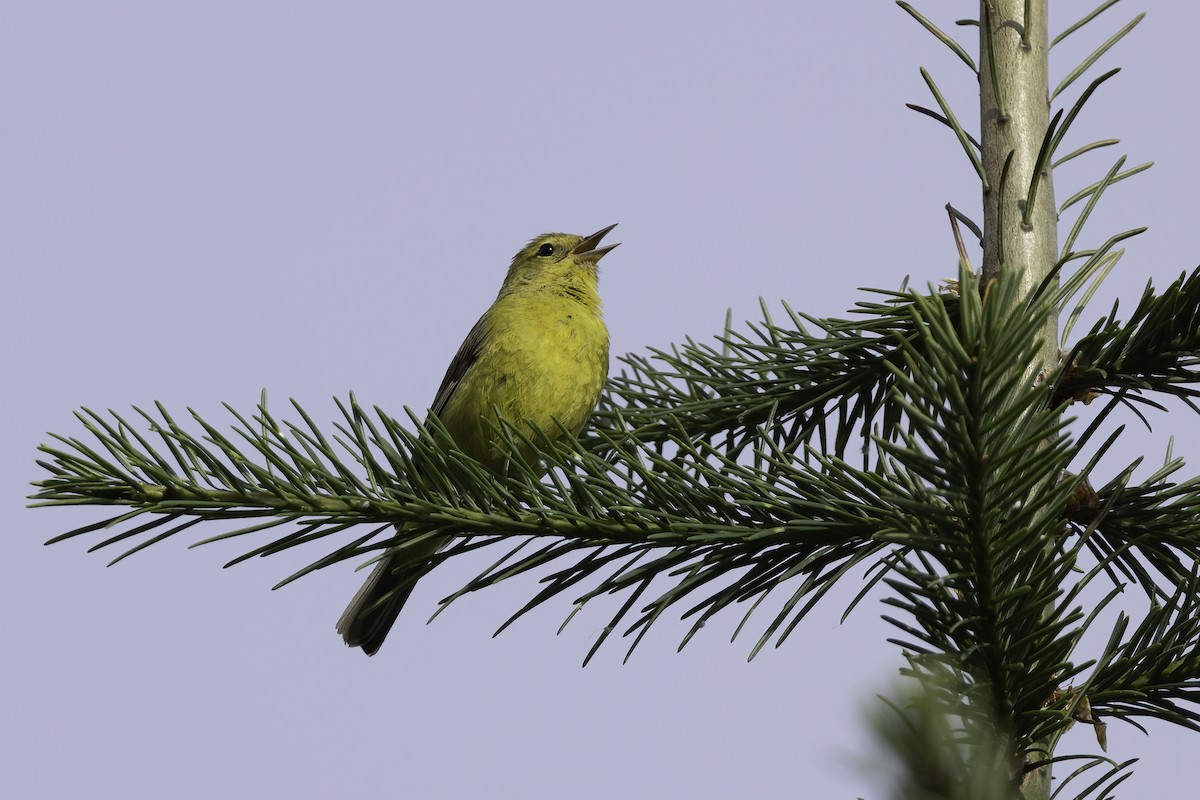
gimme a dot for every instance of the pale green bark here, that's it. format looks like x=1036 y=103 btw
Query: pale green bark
x=1015 y=113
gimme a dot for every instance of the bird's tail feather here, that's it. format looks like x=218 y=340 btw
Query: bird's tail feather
x=366 y=621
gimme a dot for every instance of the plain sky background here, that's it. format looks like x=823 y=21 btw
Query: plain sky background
x=198 y=200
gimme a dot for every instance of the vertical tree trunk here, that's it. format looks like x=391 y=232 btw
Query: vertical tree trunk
x=1015 y=113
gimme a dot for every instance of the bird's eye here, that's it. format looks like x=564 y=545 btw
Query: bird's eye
x=546 y=249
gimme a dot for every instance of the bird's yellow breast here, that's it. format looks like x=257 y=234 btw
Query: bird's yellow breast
x=543 y=363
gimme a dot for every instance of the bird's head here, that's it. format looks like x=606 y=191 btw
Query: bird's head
x=557 y=260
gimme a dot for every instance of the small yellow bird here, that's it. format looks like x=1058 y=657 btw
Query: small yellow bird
x=539 y=355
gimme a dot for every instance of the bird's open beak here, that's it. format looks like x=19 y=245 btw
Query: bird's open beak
x=587 y=249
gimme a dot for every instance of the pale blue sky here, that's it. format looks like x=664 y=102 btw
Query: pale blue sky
x=198 y=200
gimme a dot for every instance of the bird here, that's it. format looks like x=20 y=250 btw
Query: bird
x=539 y=357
